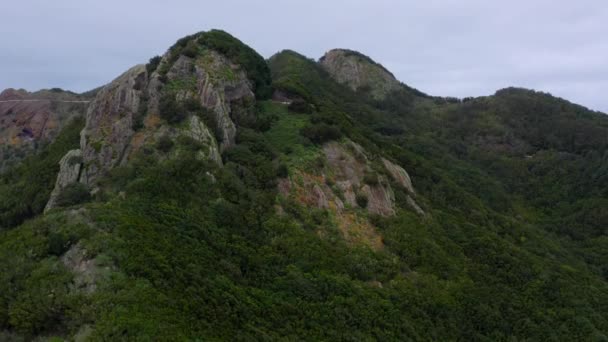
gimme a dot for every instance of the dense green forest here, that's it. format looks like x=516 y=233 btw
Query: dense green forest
x=512 y=245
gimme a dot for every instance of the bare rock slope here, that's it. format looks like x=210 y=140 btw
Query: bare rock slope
x=359 y=72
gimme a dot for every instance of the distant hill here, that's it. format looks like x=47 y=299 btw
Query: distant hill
x=30 y=119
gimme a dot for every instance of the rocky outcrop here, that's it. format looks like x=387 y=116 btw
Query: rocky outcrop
x=352 y=176
x=126 y=115
x=109 y=123
x=218 y=85
x=401 y=177
x=359 y=72
x=85 y=270
x=69 y=172
x=198 y=131
x=349 y=167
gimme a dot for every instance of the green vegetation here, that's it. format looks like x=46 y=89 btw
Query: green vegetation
x=25 y=188
x=255 y=66
x=321 y=133
x=174 y=111
x=513 y=244
x=362 y=200
x=300 y=106
x=153 y=64
x=165 y=143
x=75 y=193
x=239 y=53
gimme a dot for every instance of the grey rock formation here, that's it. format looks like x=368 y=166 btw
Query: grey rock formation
x=110 y=138
x=69 y=172
x=403 y=179
x=399 y=175
x=359 y=72
x=109 y=123
x=85 y=270
x=349 y=166
x=197 y=130
x=223 y=87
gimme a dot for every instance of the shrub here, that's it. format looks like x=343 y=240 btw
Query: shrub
x=210 y=119
x=164 y=144
x=300 y=106
x=142 y=110
x=190 y=143
x=73 y=194
x=153 y=64
x=191 y=50
x=58 y=243
x=321 y=133
x=254 y=65
x=282 y=171
x=362 y=200
x=170 y=110
x=26 y=186
x=370 y=178
x=74 y=160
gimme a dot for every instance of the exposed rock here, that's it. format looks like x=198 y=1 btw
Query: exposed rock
x=85 y=269
x=209 y=78
x=349 y=168
x=109 y=123
x=348 y=165
x=223 y=87
x=125 y=115
x=284 y=186
x=399 y=175
x=415 y=206
x=319 y=196
x=199 y=132
x=313 y=191
x=403 y=178
x=359 y=72
x=69 y=172
x=357 y=230
x=380 y=199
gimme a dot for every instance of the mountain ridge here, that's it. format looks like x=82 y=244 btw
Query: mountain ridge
x=212 y=194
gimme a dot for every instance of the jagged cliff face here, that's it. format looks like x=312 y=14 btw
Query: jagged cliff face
x=130 y=113
x=209 y=79
x=27 y=119
x=359 y=72
x=109 y=123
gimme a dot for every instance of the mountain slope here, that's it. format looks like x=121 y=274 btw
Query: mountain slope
x=206 y=206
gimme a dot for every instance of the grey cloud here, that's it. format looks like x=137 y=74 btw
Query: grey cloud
x=448 y=47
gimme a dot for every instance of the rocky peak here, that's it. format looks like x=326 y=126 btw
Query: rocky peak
x=359 y=72
x=200 y=89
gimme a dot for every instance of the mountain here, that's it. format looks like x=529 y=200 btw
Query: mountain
x=28 y=120
x=214 y=195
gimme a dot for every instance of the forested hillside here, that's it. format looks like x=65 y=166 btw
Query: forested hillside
x=215 y=195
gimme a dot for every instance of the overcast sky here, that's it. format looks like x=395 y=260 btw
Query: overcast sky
x=447 y=48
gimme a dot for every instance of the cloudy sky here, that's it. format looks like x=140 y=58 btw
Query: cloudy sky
x=443 y=47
